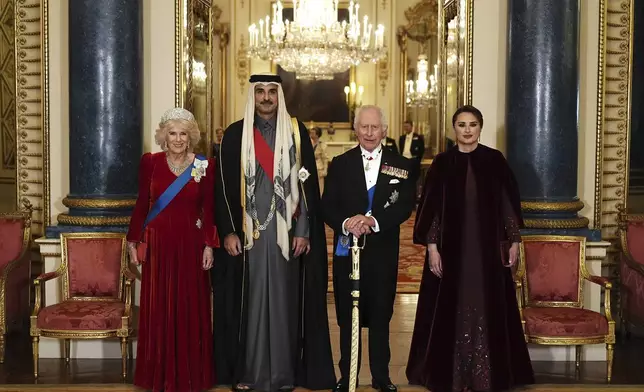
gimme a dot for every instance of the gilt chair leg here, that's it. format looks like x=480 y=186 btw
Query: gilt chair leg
x=609 y=362
x=34 y=345
x=67 y=350
x=577 y=356
x=2 y=347
x=124 y=356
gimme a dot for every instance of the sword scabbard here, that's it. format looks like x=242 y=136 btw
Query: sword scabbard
x=355 y=314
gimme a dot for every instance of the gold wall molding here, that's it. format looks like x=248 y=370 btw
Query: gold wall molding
x=8 y=134
x=383 y=73
x=613 y=117
x=243 y=64
x=32 y=108
x=222 y=32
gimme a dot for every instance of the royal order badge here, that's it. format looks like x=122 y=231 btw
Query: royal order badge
x=303 y=174
x=199 y=169
x=393 y=197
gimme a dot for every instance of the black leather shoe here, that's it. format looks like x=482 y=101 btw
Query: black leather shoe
x=341 y=387
x=384 y=386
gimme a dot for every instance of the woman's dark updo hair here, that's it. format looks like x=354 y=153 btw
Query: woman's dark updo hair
x=468 y=109
x=318 y=131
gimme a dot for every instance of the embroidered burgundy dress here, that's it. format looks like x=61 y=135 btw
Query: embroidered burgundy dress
x=468 y=332
x=174 y=350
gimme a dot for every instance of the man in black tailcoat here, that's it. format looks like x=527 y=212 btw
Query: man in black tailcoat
x=368 y=194
x=412 y=147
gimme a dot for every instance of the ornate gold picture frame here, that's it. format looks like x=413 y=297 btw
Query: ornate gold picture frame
x=456 y=41
x=201 y=42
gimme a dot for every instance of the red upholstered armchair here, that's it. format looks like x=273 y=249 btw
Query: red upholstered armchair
x=97 y=294
x=631 y=266
x=15 y=268
x=550 y=280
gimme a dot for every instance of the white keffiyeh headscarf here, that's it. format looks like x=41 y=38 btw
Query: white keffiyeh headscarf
x=285 y=179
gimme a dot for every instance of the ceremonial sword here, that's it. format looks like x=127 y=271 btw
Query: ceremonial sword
x=355 y=313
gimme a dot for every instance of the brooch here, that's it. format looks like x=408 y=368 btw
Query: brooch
x=394 y=172
x=199 y=169
x=303 y=174
x=392 y=198
x=199 y=223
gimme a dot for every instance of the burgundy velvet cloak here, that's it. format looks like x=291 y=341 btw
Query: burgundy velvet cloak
x=431 y=358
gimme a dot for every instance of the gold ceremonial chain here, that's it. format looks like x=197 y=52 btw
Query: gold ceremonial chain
x=269 y=218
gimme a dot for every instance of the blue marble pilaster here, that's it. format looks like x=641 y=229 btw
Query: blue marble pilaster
x=105 y=113
x=542 y=90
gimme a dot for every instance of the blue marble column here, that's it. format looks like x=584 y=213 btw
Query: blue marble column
x=542 y=112
x=105 y=114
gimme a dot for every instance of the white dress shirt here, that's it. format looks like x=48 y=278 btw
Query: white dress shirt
x=407 y=147
x=371 y=164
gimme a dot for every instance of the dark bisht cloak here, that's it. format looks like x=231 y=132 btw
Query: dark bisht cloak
x=432 y=348
x=230 y=275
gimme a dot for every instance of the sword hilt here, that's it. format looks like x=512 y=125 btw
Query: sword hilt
x=355 y=259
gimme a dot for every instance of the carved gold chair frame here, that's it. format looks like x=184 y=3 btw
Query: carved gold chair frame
x=25 y=215
x=623 y=220
x=622 y=224
x=125 y=293
x=522 y=293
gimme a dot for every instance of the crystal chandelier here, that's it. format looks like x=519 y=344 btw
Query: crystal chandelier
x=315 y=45
x=422 y=92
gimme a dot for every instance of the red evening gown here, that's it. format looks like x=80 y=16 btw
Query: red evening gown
x=174 y=350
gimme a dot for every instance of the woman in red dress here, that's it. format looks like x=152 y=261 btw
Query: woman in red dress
x=173 y=237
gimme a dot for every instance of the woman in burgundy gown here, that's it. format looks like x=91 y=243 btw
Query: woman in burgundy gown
x=174 y=350
x=468 y=335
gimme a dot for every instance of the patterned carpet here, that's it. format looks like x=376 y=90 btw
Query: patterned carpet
x=402 y=388
x=410 y=264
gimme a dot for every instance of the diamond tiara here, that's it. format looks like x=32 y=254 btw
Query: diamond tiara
x=177 y=114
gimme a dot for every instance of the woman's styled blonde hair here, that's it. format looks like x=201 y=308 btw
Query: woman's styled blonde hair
x=190 y=126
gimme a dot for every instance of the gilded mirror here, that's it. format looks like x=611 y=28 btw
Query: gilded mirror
x=455 y=61
x=201 y=42
x=418 y=44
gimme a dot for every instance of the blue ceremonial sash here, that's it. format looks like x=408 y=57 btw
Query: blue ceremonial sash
x=168 y=195
x=342 y=249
